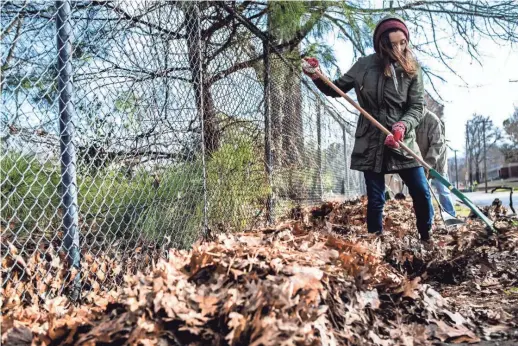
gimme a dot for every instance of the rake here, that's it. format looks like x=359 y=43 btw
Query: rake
x=447 y=219
x=432 y=172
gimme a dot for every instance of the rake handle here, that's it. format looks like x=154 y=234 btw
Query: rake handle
x=371 y=118
x=431 y=171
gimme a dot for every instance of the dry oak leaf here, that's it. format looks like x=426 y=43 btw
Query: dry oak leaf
x=146 y=325
x=237 y=324
x=371 y=298
x=207 y=304
x=252 y=241
x=18 y=336
x=199 y=260
x=410 y=289
x=457 y=334
x=377 y=340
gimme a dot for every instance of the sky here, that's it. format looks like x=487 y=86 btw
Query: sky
x=488 y=91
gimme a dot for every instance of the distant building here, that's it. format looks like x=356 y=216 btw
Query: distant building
x=508 y=170
x=495 y=160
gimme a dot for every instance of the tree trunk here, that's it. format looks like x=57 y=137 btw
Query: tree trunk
x=202 y=92
x=470 y=169
x=293 y=140
x=287 y=125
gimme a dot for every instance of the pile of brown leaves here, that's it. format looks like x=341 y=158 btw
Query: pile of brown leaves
x=316 y=278
x=31 y=276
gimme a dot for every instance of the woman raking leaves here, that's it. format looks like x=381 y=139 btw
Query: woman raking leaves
x=388 y=85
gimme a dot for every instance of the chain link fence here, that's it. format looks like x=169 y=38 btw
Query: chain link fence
x=132 y=126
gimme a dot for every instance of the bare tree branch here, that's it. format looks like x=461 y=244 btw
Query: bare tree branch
x=125 y=15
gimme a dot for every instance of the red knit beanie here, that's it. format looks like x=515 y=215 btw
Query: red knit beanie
x=388 y=25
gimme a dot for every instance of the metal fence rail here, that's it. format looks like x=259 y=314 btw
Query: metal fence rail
x=128 y=126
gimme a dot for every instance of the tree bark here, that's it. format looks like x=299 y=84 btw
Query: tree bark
x=200 y=81
x=287 y=125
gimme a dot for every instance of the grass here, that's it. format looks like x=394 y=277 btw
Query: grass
x=512 y=290
x=113 y=205
x=29 y=190
x=462 y=210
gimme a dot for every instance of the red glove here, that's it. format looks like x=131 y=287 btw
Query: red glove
x=309 y=66
x=398 y=134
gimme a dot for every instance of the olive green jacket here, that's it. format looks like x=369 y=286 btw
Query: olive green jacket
x=431 y=139
x=377 y=94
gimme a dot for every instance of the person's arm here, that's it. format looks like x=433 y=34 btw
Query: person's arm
x=437 y=143
x=415 y=101
x=345 y=83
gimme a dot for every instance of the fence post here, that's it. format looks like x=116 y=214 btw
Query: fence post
x=195 y=52
x=319 y=152
x=346 y=166
x=268 y=160
x=196 y=26
x=67 y=145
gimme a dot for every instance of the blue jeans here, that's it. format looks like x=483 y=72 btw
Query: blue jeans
x=444 y=196
x=415 y=180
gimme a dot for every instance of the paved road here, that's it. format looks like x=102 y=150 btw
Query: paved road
x=483 y=199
